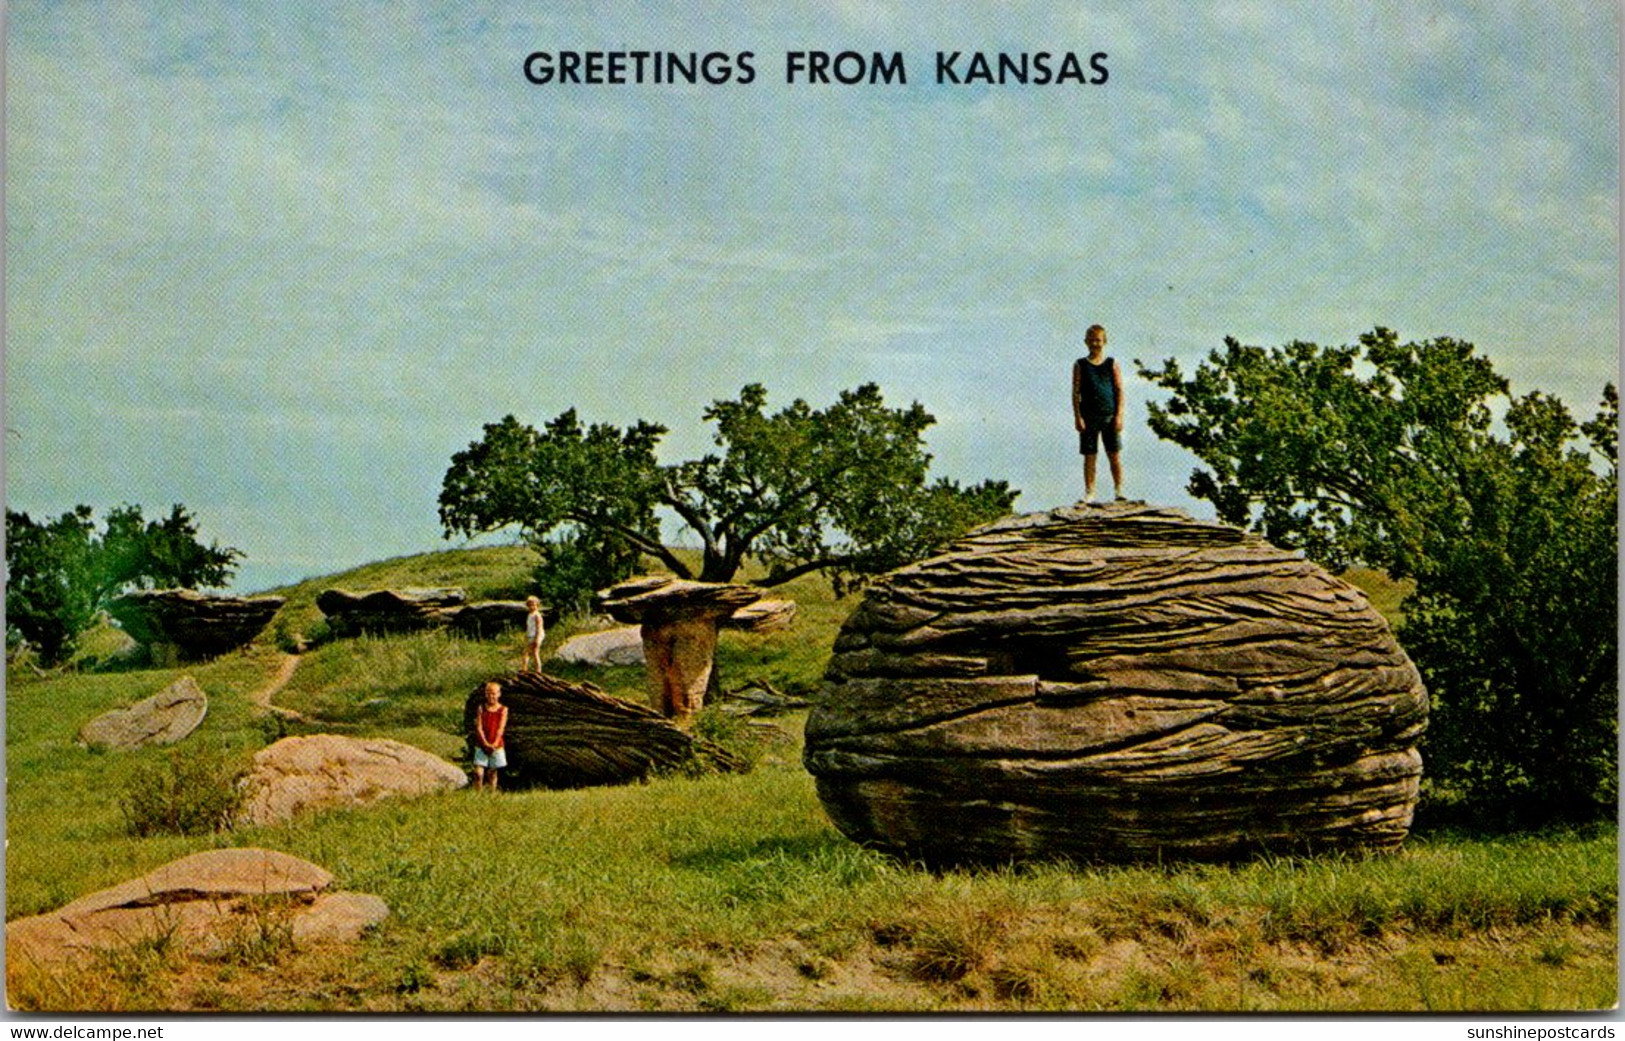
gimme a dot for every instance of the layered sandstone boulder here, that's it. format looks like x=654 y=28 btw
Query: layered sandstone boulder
x=573 y=735
x=1116 y=683
x=323 y=771
x=161 y=719
x=180 y=625
x=201 y=902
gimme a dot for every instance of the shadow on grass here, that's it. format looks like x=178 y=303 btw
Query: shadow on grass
x=806 y=849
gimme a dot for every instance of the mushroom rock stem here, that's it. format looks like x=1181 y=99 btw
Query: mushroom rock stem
x=680 y=655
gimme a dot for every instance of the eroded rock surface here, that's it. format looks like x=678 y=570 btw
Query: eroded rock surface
x=200 y=901
x=162 y=719
x=1116 y=683
x=321 y=771
x=185 y=625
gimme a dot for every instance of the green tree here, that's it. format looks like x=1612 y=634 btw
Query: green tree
x=841 y=490
x=1390 y=454
x=62 y=573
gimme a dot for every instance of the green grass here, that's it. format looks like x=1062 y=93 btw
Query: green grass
x=734 y=893
x=1385 y=594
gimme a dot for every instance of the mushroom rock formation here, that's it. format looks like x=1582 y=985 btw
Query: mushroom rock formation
x=1116 y=683
x=679 y=620
x=185 y=625
x=573 y=735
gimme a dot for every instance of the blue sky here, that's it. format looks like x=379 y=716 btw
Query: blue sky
x=278 y=261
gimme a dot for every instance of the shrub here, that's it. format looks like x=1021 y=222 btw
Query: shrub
x=191 y=791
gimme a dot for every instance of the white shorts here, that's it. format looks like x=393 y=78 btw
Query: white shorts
x=496 y=759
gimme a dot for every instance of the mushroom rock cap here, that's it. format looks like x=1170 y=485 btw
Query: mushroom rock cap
x=662 y=597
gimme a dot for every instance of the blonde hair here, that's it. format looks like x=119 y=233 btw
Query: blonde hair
x=531 y=601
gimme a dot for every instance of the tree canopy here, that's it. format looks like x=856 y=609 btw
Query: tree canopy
x=841 y=490
x=62 y=572
x=1413 y=457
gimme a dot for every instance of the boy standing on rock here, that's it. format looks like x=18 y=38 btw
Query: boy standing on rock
x=1097 y=410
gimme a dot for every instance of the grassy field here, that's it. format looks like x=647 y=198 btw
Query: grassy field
x=734 y=893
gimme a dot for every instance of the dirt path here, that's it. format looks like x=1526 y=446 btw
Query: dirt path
x=262 y=697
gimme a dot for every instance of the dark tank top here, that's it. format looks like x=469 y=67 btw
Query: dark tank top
x=1097 y=396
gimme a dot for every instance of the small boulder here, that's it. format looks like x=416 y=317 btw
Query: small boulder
x=199 y=901
x=619 y=646
x=162 y=719
x=321 y=771
x=338 y=918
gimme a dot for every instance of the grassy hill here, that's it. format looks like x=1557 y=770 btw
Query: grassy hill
x=735 y=893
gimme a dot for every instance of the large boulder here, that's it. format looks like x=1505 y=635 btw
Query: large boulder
x=200 y=902
x=1116 y=683
x=322 y=771
x=162 y=719
x=573 y=735
x=184 y=625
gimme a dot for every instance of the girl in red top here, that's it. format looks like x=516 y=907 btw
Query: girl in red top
x=490 y=723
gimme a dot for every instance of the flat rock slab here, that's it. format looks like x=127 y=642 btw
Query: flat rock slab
x=619 y=646
x=200 y=901
x=573 y=735
x=162 y=719
x=1116 y=683
x=660 y=599
x=764 y=616
x=323 y=771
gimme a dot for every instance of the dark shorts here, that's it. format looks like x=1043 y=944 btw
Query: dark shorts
x=1094 y=433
